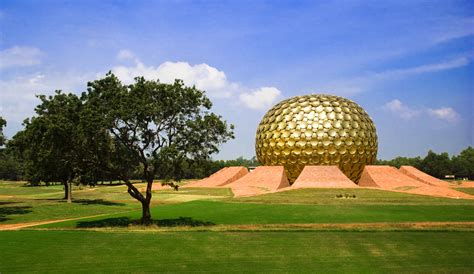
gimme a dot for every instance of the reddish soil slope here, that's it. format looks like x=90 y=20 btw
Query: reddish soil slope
x=390 y=178
x=264 y=179
x=322 y=176
x=423 y=177
x=222 y=177
x=467 y=184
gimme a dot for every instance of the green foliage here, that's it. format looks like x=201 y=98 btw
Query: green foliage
x=3 y=123
x=439 y=165
x=10 y=168
x=48 y=146
x=163 y=128
x=463 y=164
x=401 y=161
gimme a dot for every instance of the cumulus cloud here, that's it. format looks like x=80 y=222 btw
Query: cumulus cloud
x=261 y=98
x=445 y=113
x=398 y=108
x=18 y=93
x=20 y=57
x=203 y=76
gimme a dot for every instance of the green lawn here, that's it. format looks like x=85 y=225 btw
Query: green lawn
x=222 y=213
x=468 y=190
x=264 y=233
x=223 y=252
x=363 y=196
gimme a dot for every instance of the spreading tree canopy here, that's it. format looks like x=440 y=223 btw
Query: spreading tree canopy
x=159 y=127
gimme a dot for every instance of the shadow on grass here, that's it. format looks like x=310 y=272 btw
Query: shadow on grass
x=97 y=202
x=13 y=210
x=125 y=221
x=7 y=203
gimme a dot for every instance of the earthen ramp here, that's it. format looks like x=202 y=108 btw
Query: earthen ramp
x=423 y=177
x=264 y=179
x=322 y=177
x=390 y=178
x=222 y=177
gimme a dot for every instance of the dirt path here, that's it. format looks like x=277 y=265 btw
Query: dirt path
x=30 y=224
x=381 y=226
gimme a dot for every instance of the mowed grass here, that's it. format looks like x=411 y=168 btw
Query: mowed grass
x=468 y=190
x=224 y=252
x=362 y=196
x=60 y=247
x=20 y=203
x=226 y=213
x=301 y=206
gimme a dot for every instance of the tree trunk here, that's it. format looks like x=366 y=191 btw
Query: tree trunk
x=66 y=190
x=146 y=216
x=69 y=196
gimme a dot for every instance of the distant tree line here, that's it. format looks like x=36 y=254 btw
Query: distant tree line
x=439 y=165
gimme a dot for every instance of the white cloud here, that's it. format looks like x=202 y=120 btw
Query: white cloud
x=203 y=76
x=455 y=29
x=126 y=54
x=446 y=65
x=18 y=94
x=364 y=83
x=445 y=113
x=398 y=108
x=261 y=98
x=20 y=57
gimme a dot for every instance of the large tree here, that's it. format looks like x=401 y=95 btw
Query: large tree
x=49 y=146
x=159 y=127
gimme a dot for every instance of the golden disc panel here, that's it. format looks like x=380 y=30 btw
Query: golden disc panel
x=317 y=129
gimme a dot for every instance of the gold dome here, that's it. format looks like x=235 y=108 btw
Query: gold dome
x=317 y=129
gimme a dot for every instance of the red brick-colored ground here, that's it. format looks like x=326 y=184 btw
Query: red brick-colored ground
x=423 y=177
x=322 y=176
x=390 y=178
x=463 y=184
x=264 y=179
x=222 y=177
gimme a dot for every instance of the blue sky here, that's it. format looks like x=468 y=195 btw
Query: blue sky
x=408 y=63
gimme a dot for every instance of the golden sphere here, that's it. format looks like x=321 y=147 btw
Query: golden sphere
x=317 y=129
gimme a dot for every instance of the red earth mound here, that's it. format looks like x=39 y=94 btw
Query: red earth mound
x=466 y=184
x=222 y=177
x=423 y=177
x=390 y=178
x=264 y=179
x=322 y=176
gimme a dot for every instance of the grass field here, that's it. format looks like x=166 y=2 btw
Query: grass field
x=361 y=252
x=202 y=229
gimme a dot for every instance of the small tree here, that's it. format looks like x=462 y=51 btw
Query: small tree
x=49 y=146
x=156 y=126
